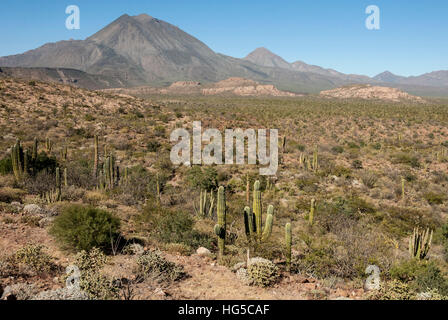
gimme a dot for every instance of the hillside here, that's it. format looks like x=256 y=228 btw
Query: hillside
x=369 y=92
x=375 y=170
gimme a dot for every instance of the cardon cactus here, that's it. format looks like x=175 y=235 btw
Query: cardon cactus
x=220 y=228
x=420 y=243
x=288 y=242
x=253 y=221
x=96 y=157
x=17 y=159
x=257 y=209
x=35 y=149
x=312 y=211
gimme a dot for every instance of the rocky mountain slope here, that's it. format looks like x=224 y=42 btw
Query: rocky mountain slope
x=142 y=50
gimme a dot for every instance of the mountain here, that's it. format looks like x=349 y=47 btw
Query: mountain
x=266 y=58
x=389 y=77
x=142 y=50
x=61 y=75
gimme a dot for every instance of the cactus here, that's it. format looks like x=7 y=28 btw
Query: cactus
x=253 y=221
x=212 y=203
x=312 y=211
x=17 y=159
x=111 y=172
x=267 y=231
x=315 y=159
x=158 y=188
x=220 y=228
x=64 y=152
x=249 y=223
x=284 y=144
x=35 y=149
x=96 y=157
x=403 y=196
x=257 y=209
x=420 y=243
x=65 y=177
x=48 y=145
x=247 y=190
x=288 y=241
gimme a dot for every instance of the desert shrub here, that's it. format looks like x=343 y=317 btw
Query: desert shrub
x=152 y=265
x=40 y=183
x=170 y=226
x=153 y=146
x=94 y=259
x=393 y=290
x=92 y=282
x=337 y=149
x=420 y=275
x=434 y=198
x=262 y=272
x=204 y=179
x=407 y=159
x=9 y=195
x=6 y=165
x=83 y=228
x=307 y=183
x=369 y=179
x=357 y=164
x=34 y=257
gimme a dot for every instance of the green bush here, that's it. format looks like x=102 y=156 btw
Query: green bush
x=83 y=228
x=204 y=179
x=420 y=275
x=434 y=198
x=170 y=226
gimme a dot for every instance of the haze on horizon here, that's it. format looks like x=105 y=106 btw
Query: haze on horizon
x=411 y=41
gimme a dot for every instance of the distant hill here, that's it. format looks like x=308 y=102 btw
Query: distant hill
x=142 y=50
x=369 y=92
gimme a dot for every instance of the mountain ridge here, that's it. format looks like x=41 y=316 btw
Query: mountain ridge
x=143 y=50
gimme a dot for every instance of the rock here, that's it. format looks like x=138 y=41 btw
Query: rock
x=61 y=294
x=159 y=292
x=17 y=205
x=21 y=291
x=33 y=209
x=238 y=266
x=134 y=248
x=203 y=252
x=45 y=222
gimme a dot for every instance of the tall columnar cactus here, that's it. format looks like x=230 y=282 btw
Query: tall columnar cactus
x=312 y=211
x=403 y=195
x=96 y=157
x=288 y=242
x=267 y=231
x=315 y=159
x=212 y=203
x=17 y=159
x=253 y=219
x=220 y=228
x=64 y=152
x=48 y=145
x=58 y=183
x=111 y=172
x=420 y=243
x=247 y=190
x=249 y=223
x=257 y=209
x=35 y=149
x=284 y=144
x=65 y=177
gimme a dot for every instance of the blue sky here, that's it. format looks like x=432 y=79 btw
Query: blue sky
x=413 y=38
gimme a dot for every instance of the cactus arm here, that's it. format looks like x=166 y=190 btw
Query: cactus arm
x=288 y=241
